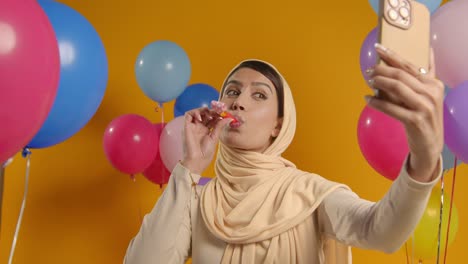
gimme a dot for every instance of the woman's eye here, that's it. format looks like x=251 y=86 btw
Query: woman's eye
x=232 y=92
x=260 y=96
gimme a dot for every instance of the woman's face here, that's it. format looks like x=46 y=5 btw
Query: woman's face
x=252 y=99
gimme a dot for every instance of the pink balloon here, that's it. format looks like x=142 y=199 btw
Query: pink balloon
x=383 y=142
x=157 y=172
x=29 y=73
x=450 y=42
x=130 y=143
x=170 y=144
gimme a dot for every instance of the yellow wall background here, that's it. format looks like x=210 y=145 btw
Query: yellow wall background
x=81 y=210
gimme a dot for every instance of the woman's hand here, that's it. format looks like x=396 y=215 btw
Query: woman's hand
x=415 y=98
x=201 y=135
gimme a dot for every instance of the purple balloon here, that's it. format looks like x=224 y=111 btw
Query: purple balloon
x=456 y=121
x=204 y=181
x=368 y=55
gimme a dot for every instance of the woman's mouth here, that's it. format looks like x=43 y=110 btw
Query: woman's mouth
x=237 y=122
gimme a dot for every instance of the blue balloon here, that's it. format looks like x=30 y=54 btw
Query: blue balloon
x=432 y=5
x=83 y=75
x=162 y=70
x=449 y=158
x=195 y=96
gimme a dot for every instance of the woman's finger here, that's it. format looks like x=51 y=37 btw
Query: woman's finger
x=395 y=60
x=219 y=126
x=198 y=114
x=398 y=92
x=394 y=73
x=208 y=116
x=396 y=111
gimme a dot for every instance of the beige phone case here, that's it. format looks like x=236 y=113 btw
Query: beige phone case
x=404 y=27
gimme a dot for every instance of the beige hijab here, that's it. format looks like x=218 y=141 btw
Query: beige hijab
x=258 y=197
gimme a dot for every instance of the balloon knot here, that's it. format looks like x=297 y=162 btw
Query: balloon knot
x=26 y=152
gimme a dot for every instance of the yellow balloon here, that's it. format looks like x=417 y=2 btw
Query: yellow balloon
x=427 y=231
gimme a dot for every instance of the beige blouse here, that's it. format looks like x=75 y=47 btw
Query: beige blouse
x=174 y=230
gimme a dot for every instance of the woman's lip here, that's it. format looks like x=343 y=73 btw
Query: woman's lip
x=235 y=124
x=237 y=118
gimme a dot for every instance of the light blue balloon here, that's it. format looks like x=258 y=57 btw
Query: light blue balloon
x=83 y=75
x=162 y=70
x=432 y=5
x=449 y=158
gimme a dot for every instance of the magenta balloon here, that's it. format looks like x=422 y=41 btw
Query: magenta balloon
x=456 y=121
x=383 y=142
x=450 y=42
x=29 y=73
x=130 y=143
x=170 y=144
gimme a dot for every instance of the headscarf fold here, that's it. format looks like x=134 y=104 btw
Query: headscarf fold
x=257 y=199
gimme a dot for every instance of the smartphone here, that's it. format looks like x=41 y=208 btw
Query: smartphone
x=404 y=27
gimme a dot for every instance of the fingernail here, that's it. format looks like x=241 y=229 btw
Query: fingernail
x=380 y=47
x=371 y=82
x=368 y=98
x=376 y=92
x=369 y=71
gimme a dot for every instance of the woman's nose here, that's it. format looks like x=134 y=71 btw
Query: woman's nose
x=237 y=106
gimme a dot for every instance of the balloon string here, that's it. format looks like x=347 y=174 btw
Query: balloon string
x=2 y=181
x=161 y=106
x=412 y=248
x=137 y=195
x=450 y=211
x=26 y=154
x=439 y=235
x=162 y=112
x=406 y=251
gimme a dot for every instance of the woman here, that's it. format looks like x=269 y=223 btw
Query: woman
x=260 y=208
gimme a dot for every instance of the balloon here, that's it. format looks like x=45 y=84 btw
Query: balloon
x=29 y=73
x=130 y=143
x=382 y=141
x=157 y=172
x=170 y=143
x=449 y=41
x=427 y=231
x=432 y=5
x=203 y=181
x=162 y=70
x=456 y=121
x=83 y=75
x=368 y=55
x=449 y=158
x=195 y=96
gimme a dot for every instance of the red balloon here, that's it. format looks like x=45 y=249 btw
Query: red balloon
x=130 y=143
x=383 y=142
x=29 y=73
x=157 y=172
